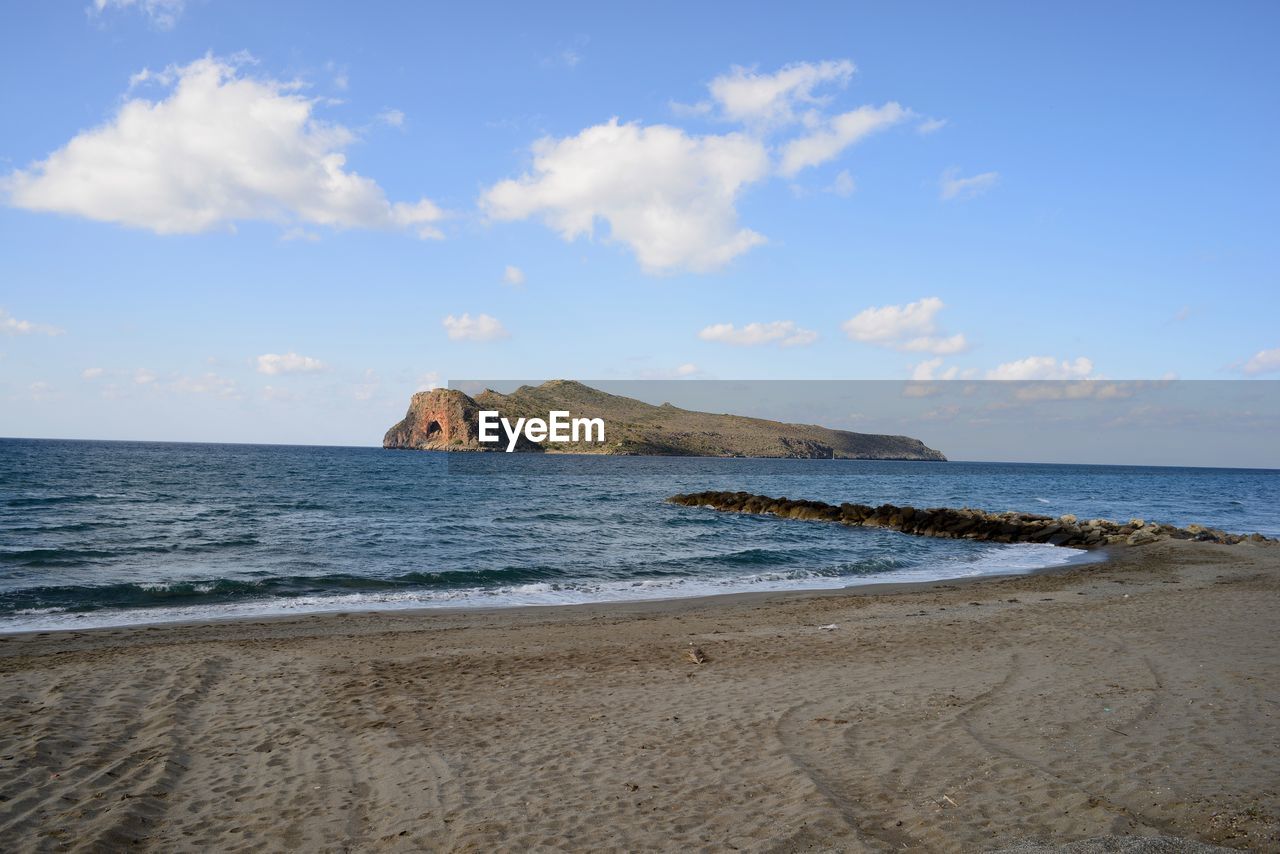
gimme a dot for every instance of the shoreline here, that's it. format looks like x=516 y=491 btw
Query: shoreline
x=1135 y=697
x=1086 y=558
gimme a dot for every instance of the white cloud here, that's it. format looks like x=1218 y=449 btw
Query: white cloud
x=688 y=369
x=910 y=328
x=952 y=186
x=207 y=383
x=10 y=325
x=931 y=369
x=832 y=136
x=690 y=111
x=91 y=373
x=942 y=413
x=566 y=55
x=394 y=118
x=567 y=58
x=1043 y=368
x=163 y=14
x=783 y=332
x=671 y=195
x=844 y=185
x=746 y=96
x=920 y=389
x=222 y=147
x=482 y=327
x=428 y=381
x=272 y=364
x=928 y=126
x=1263 y=362
x=513 y=276
x=41 y=390
x=1080 y=389
x=667 y=195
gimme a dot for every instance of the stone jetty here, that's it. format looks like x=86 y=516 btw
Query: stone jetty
x=966 y=523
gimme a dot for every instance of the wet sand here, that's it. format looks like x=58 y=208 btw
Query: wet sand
x=1140 y=697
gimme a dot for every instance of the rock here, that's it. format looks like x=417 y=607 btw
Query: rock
x=964 y=523
x=1141 y=538
x=444 y=419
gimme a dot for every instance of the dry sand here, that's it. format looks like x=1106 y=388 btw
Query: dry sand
x=1139 y=697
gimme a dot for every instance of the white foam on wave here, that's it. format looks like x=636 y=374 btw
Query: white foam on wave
x=1011 y=559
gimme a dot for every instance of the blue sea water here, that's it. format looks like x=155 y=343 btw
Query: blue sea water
x=111 y=533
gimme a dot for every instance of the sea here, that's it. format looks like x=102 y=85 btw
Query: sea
x=99 y=534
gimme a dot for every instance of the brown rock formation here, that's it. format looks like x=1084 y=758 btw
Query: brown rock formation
x=966 y=523
x=443 y=420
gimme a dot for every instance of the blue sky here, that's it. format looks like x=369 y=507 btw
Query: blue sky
x=301 y=213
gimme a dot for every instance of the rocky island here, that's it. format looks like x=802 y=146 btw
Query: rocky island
x=448 y=420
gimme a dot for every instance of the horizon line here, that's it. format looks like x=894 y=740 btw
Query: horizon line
x=948 y=461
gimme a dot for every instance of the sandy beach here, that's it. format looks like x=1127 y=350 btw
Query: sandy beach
x=1139 y=697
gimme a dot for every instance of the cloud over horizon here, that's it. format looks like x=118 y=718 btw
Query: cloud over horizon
x=272 y=364
x=1043 y=368
x=785 y=333
x=10 y=325
x=911 y=328
x=1263 y=362
x=482 y=327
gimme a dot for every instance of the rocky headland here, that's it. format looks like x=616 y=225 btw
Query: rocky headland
x=448 y=420
x=443 y=420
x=966 y=523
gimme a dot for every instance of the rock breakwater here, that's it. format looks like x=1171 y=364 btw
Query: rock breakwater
x=966 y=523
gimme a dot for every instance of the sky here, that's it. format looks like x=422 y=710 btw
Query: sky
x=233 y=221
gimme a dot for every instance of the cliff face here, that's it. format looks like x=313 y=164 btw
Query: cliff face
x=442 y=420
x=447 y=420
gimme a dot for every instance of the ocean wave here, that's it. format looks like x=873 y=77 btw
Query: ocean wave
x=76 y=557
x=80 y=606
x=48 y=500
x=53 y=557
